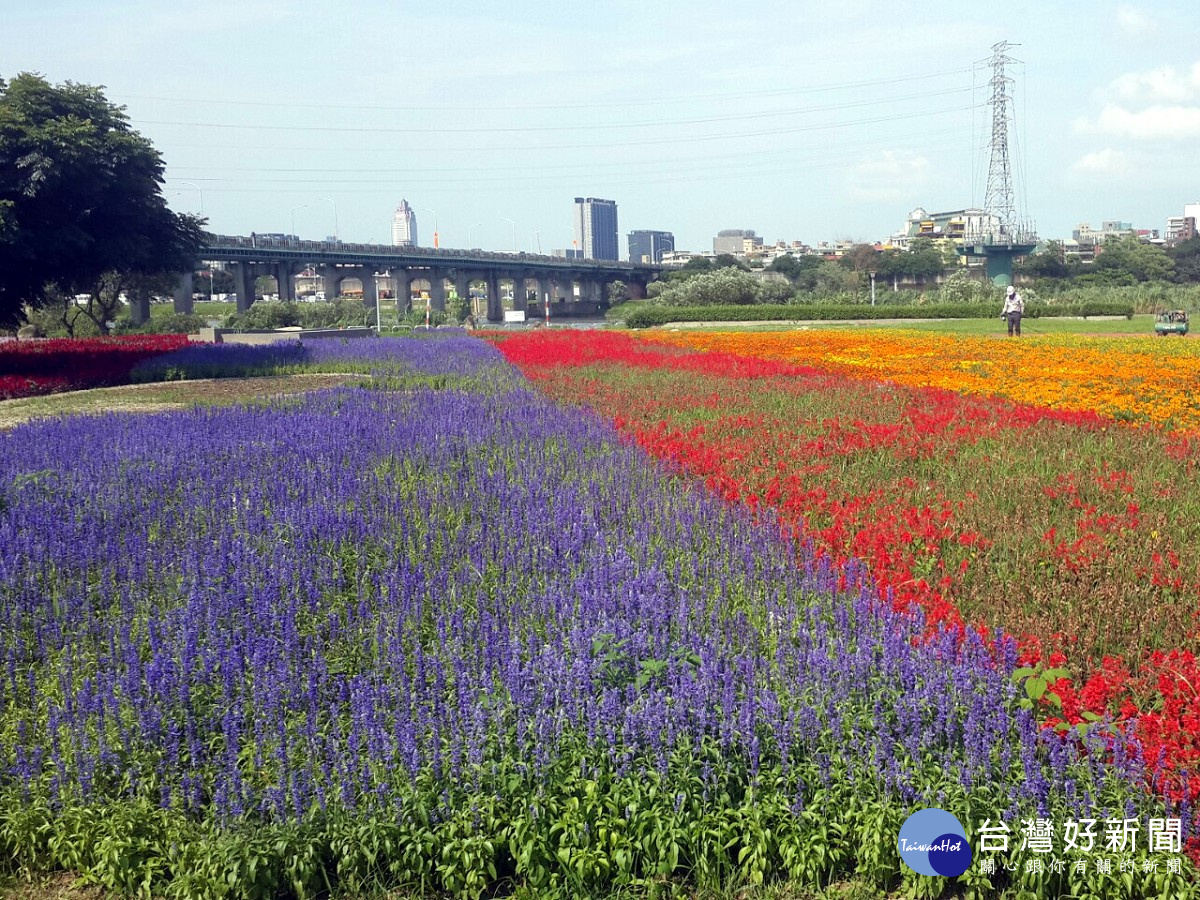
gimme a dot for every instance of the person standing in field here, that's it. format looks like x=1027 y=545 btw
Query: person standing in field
x=1014 y=308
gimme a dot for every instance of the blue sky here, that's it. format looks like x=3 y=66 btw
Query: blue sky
x=802 y=121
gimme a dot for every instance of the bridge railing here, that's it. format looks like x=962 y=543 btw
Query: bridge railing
x=216 y=242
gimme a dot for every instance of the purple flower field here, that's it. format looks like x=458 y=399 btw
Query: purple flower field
x=463 y=640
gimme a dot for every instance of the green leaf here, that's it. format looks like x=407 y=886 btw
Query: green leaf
x=1035 y=687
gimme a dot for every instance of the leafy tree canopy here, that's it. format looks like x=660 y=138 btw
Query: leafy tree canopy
x=923 y=259
x=1127 y=260
x=861 y=258
x=729 y=261
x=1186 y=257
x=793 y=267
x=1049 y=262
x=721 y=287
x=80 y=197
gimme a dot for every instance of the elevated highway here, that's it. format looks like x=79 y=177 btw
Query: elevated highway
x=569 y=285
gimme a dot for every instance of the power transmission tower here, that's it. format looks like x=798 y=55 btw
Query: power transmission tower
x=1004 y=237
x=999 y=197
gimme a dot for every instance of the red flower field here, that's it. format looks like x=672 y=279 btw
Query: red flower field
x=1068 y=528
x=30 y=368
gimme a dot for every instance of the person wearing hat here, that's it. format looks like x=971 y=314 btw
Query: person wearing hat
x=1014 y=308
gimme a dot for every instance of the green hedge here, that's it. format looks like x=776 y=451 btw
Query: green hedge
x=648 y=315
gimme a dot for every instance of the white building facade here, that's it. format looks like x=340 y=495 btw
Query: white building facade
x=404 y=226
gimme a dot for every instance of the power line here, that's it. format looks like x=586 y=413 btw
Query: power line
x=654 y=141
x=889 y=142
x=621 y=104
x=703 y=120
x=534 y=179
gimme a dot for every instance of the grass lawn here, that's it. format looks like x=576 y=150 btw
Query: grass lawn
x=162 y=396
x=1141 y=324
x=206 y=308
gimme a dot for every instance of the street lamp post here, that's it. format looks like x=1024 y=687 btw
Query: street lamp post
x=335 y=221
x=513 y=225
x=199 y=191
x=537 y=235
x=656 y=258
x=212 y=275
x=435 y=228
x=470 y=235
x=294 y=208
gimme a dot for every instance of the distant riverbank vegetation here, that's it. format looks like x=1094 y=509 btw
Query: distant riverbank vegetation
x=1127 y=273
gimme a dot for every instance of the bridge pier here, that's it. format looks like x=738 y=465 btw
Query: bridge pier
x=183 y=294
x=139 y=307
x=495 y=309
x=369 y=288
x=520 y=297
x=437 y=289
x=243 y=285
x=462 y=287
x=331 y=281
x=403 y=287
x=285 y=282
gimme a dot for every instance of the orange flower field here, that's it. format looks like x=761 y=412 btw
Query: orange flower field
x=1141 y=379
x=1044 y=487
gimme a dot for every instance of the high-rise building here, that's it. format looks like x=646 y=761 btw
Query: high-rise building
x=404 y=226
x=649 y=246
x=596 y=228
x=734 y=241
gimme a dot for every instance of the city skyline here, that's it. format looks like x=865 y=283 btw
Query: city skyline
x=694 y=122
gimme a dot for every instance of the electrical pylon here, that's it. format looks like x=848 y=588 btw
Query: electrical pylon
x=998 y=199
x=1005 y=237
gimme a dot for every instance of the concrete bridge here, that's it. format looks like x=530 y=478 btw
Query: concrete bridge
x=570 y=285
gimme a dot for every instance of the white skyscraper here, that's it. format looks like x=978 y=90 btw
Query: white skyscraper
x=404 y=226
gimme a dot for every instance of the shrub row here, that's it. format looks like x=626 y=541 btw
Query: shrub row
x=648 y=315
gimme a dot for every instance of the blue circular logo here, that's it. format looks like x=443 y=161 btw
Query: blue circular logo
x=933 y=842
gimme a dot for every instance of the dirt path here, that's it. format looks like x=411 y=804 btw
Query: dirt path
x=165 y=395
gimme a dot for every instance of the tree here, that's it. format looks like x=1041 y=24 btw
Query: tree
x=95 y=312
x=1049 y=262
x=781 y=291
x=1127 y=259
x=1186 y=257
x=214 y=281
x=696 y=265
x=794 y=267
x=718 y=288
x=861 y=258
x=81 y=205
x=729 y=261
x=924 y=259
x=618 y=292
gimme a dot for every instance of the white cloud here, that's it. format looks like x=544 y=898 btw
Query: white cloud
x=1150 y=124
x=892 y=176
x=1133 y=21
x=1164 y=85
x=1160 y=104
x=1106 y=162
